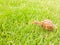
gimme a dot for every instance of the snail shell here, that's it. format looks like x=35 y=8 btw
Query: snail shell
x=47 y=24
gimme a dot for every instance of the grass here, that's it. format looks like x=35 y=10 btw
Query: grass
x=16 y=17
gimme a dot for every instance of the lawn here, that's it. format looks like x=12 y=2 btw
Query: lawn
x=16 y=17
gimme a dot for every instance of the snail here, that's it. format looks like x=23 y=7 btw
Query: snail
x=46 y=24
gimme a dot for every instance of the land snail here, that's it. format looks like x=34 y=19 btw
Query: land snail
x=45 y=24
